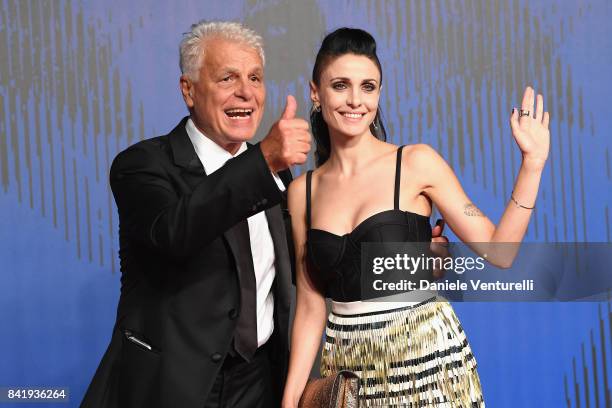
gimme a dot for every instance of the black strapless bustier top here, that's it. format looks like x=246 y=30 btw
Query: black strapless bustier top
x=337 y=258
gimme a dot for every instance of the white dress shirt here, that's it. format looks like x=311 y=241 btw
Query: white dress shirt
x=213 y=157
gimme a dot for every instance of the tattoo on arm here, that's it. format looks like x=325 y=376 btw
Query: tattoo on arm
x=471 y=210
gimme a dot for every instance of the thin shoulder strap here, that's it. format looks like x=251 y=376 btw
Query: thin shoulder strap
x=308 y=188
x=398 y=177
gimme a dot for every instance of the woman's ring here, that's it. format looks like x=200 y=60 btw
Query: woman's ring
x=523 y=112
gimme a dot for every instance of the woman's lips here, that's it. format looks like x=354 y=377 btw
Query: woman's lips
x=352 y=117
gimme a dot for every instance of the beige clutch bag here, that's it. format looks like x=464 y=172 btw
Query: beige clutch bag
x=335 y=391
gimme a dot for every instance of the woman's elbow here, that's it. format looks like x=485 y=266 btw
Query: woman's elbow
x=501 y=261
x=504 y=264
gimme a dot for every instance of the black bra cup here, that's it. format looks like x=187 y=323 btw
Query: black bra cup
x=336 y=259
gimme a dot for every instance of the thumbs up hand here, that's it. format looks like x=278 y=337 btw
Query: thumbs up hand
x=288 y=141
x=290 y=108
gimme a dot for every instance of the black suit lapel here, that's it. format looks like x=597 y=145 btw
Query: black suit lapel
x=282 y=261
x=245 y=336
x=239 y=241
x=183 y=152
x=193 y=173
x=185 y=156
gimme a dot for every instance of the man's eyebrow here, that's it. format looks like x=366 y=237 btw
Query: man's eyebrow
x=234 y=70
x=229 y=70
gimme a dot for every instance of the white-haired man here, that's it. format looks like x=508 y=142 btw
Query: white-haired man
x=203 y=314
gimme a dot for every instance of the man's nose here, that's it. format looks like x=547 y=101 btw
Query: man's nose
x=244 y=89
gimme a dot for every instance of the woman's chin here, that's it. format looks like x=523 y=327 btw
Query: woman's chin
x=351 y=131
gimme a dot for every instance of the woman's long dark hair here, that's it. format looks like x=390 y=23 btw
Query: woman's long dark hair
x=342 y=41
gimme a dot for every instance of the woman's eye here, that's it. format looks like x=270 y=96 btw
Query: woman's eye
x=339 y=85
x=369 y=87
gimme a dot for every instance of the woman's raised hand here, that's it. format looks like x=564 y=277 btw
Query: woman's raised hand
x=530 y=129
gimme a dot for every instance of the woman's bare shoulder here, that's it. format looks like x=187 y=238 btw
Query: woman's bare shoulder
x=421 y=155
x=298 y=185
x=419 y=149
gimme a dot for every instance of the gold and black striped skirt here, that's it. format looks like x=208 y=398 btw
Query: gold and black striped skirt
x=414 y=356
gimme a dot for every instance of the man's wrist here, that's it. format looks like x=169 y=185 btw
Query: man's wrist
x=279 y=182
x=266 y=151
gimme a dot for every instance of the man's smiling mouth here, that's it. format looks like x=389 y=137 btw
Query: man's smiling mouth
x=239 y=113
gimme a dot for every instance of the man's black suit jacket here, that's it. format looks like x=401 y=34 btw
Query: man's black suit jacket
x=182 y=256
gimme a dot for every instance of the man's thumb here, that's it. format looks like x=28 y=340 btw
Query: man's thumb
x=290 y=108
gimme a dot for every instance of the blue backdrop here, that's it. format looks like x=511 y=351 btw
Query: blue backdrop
x=81 y=80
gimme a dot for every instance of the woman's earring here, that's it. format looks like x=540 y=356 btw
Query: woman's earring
x=316 y=107
x=374 y=125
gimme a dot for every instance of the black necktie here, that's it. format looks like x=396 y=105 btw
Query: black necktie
x=245 y=338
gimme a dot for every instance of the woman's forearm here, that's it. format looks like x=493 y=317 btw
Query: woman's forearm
x=306 y=338
x=507 y=236
x=513 y=223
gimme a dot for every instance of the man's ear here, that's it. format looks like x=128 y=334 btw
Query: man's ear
x=186 y=85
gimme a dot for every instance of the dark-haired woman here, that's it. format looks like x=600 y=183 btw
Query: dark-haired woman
x=367 y=190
